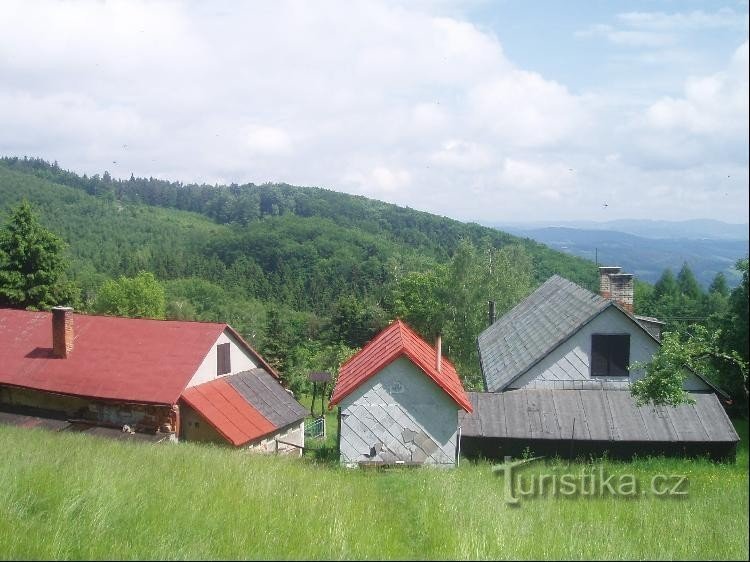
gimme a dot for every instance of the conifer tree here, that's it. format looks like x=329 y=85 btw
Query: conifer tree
x=32 y=264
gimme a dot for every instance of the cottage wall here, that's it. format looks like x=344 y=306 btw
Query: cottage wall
x=140 y=417
x=239 y=357
x=399 y=414
x=569 y=365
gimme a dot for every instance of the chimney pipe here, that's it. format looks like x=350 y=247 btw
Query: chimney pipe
x=491 y=312
x=62 y=331
x=439 y=354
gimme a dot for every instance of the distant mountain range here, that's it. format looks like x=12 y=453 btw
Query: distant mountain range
x=693 y=229
x=647 y=248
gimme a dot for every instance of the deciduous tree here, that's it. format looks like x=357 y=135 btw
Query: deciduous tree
x=699 y=352
x=141 y=296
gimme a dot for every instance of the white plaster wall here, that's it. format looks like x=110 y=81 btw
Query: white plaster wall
x=240 y=360
x=399 y=397
x=294 y=433
x=569 y=365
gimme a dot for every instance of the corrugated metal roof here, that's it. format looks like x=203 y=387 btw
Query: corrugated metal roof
x=267 y=396
x=533 y=328
x=594 y=415
x=131 y=359
x=395 y=341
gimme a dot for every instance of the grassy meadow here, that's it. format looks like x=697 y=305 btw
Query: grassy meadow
x=71 y=496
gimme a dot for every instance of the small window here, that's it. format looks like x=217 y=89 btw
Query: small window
x=223 y=360
x=610 y=355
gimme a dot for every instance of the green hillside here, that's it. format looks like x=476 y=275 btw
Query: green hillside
x=306 y=274
x=403 y=229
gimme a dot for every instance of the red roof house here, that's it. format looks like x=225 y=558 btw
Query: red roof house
x=398 y=402
x=139 y=373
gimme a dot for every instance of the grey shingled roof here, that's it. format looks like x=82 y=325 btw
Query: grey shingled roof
x=532 y=329
x=267 y=396
x=600 y=415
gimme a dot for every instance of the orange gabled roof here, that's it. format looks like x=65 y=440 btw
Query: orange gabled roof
x=228 y=412
x=395 y=341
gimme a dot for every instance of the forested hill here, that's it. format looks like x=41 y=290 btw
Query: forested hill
x=241 y=205
x=305 y=273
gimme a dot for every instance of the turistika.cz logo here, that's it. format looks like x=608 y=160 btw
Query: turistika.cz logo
x=585 y=484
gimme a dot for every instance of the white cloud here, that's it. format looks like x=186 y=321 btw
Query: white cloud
x=380 y=180
x=712 y=105
x=628 y=37
x=456 y=153
x=659 y=29
x=404 y=102
x=716 y=104
x=697 y=19
x=267 y=140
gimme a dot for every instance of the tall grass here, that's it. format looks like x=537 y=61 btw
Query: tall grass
x=72 y=496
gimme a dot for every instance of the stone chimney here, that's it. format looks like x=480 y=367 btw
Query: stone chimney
x=62 y=331
x=617 y=286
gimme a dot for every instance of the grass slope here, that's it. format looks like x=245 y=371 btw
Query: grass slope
x=70 y=496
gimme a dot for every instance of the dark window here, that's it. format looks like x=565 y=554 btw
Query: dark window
x=223 y=362
x=610 y=355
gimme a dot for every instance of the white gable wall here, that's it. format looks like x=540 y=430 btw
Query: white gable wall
x=240 y=360
x=402 y=408
x=569 y=367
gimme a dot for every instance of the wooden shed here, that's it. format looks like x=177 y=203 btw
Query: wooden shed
x=573 y=423
x=398 y=402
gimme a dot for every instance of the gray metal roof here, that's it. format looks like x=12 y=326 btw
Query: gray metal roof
x=267 y=396
x=593 y=415
x=533 y=328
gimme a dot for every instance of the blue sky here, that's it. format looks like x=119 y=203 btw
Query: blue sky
x=492 y=111
x=578 y=52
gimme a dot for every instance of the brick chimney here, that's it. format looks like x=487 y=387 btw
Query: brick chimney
x=617 y=286
x=62 y=331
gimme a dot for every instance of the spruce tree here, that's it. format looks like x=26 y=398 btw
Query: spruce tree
x=688 y=284
x=32 y=264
